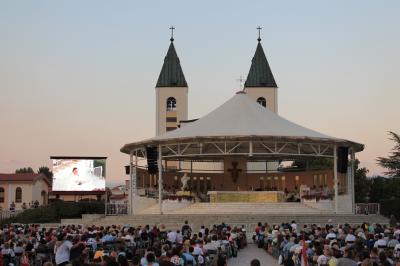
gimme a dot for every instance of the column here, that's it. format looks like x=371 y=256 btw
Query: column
x=335 y=177
x=10 y=196
x=130 y=183
x=352 y=163
x=135 y=172
x=160 y=183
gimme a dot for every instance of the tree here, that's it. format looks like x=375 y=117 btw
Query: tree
x=392 y=162
x=46 y=171
x=362 y=185
x=25 y=170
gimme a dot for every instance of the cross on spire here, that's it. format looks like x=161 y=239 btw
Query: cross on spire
x=241 y=81
x=259 y=33
x=172 y=33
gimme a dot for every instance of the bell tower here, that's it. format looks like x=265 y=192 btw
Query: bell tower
x=171 y=92
x=260 y=84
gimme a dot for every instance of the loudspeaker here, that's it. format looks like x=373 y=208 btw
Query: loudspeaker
x=152 y=157
x=127 y=170
x=343 y=159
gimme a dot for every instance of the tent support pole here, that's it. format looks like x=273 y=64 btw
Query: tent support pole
x=160 y=183
x=335 y=177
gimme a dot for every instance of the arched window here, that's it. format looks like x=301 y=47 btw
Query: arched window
x=262 y=101
x=18 y=194
x=1 y=194
x=171 y=104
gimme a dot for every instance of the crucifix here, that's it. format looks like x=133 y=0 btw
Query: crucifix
x=259 y=33
x=241 y=82
x=172 y=33
x=234 y=171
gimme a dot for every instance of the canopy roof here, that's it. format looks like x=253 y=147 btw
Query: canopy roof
x=241 y=118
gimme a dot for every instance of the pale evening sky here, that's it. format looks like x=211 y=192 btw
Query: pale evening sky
x=78 y=77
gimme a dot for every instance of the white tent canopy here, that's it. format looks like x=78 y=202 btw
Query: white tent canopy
x=241 y=117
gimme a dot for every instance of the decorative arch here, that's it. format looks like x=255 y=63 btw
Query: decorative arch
x=262 y=101
x=43 y=194
x=18 y=195
x=171 y=104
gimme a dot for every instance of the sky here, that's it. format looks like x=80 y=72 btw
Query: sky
x=77 y=78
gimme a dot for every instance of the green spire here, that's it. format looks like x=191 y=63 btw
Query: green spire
x=260 y=74
x=171 y=74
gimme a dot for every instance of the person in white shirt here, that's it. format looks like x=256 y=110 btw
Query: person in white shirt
x=7 y=250
x=397 y=251
x=331 y=235
x=197 y=249
x=350 y=238
x=381 y=243
x=294 y=226
x=396 y=233
x=323 y=259
x=171 y=236
x=62 y=250
x=202 y=230
x=179 y=237
x=214 y=244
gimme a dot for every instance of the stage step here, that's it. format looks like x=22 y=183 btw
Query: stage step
x=175 y=221
x=237 y=207
x=236 y=214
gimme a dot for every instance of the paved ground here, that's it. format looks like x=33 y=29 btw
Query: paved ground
x=252 y=252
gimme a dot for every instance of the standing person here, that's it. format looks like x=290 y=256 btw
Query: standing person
x=77 y=251
x=12 y=206
x=62 y=250
x=8 y=254
x=348 y=258
x=186 y=230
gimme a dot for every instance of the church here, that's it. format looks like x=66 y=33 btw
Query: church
x=242 y=146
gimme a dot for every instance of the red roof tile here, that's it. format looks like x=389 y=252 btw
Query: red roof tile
x=23 y=177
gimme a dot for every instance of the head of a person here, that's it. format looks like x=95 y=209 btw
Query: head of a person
x=255 y=262
x=327 y=251
x=374 y=252
x=75 y=171
x=349 y=253
x=382 y=257
x=150 y=258
x=136 y=261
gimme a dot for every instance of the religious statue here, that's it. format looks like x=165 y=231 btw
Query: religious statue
x=184 y=181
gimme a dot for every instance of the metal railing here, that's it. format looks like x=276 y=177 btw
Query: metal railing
x=367 y=208
x=116 y=209
x=9 y=214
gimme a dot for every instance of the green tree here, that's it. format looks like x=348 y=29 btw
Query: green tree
x=46 y=171
x=392 y=162
x=362 y=185
x=24 y=170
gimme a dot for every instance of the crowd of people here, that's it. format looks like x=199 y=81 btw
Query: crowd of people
x=119 y=245
x=31 y=205
x=331 y=245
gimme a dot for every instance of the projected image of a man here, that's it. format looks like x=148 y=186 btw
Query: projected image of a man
x=78 y=175
x=75 y=177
